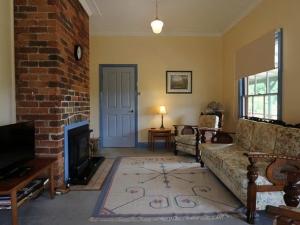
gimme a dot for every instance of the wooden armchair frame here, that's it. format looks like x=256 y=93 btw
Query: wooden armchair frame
x=199 y=134
x=278 y=184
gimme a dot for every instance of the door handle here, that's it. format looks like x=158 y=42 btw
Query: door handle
x=131 y=111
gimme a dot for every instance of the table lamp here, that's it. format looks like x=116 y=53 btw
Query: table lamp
x=162 y=111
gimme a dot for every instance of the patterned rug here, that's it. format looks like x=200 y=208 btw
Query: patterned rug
x=98 y=178
x=162 y=188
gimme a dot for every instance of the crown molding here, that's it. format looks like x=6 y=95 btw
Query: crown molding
x=98 y=11
x=150 y=34
x=242 y=16
x=86 y=7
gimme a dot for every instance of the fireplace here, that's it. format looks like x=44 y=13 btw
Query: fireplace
x=51 y=85
x=79 y=165
x=78 y=150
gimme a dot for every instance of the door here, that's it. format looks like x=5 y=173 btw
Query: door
x=118 y=105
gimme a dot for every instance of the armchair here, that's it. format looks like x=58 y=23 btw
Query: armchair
x=190 y=136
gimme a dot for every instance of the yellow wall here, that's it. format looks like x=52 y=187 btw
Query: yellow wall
x=268 y=15
x=155 y=55
x=7 y=97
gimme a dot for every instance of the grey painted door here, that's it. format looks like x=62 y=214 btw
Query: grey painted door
x=118 y=106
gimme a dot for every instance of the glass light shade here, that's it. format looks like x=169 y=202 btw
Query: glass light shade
x=157 y=26
x=162 y=109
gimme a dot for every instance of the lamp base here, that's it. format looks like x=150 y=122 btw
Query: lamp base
x=162 y=122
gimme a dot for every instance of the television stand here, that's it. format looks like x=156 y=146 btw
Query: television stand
x=16 y=172
x=23 y=171
x=12 y=185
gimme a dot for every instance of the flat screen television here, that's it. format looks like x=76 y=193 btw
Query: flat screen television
x=17 y=146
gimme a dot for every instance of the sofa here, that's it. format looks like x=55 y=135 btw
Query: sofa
x=250 y=167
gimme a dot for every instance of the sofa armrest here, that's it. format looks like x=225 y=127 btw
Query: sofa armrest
x=277 y=164
x=264 y=156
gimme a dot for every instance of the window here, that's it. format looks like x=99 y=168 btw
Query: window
x=260 y=94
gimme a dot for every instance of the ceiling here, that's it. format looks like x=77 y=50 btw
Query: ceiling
x=180 y=17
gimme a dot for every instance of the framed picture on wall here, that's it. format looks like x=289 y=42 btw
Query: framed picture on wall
x=179 y=82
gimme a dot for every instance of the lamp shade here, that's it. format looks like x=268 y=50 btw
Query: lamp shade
x=162 y=109
x=157 y=26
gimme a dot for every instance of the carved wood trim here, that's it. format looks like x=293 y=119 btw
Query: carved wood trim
x=252 y=175
x=269 y=188
x=261 y=155
x=292 y=190
x=274 y=169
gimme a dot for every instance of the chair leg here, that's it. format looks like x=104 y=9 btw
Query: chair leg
x=197 y=155
x=201 y=163
x=175 y=150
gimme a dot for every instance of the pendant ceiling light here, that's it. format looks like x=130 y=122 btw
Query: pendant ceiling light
x=157 y=24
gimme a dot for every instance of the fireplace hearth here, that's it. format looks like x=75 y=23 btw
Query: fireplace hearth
x=81 y=166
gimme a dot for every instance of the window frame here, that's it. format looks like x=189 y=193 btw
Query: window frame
x=242 y=88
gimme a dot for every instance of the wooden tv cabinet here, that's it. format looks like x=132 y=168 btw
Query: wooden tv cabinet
x=11 y=186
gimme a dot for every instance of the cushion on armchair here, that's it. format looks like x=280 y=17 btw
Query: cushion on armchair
x=208 y=121
x=189 y=139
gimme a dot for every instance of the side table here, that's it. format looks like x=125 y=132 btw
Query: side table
x=159 y=134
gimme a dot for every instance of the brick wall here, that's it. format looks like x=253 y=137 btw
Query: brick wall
x=52 y=88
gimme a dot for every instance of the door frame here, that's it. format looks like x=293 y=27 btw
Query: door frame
x=101 y=119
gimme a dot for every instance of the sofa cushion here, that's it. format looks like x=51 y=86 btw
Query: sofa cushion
x=288 y=142
x=212 y=151
x=231 y=159
x=244 y=132
x=264 y=137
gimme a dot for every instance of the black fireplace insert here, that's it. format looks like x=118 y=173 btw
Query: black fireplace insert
x=81 y=165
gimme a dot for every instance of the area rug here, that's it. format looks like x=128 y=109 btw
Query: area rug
x=166 y=188
x=98 y=178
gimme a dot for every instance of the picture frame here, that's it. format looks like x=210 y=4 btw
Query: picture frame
x=178 y=82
